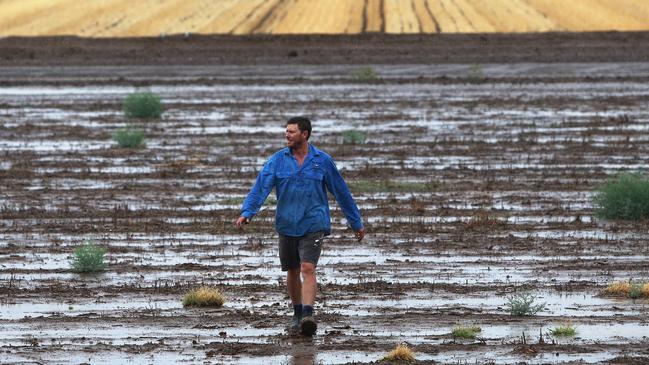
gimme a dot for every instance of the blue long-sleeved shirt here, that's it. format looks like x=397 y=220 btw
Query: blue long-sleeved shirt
x=302 y=205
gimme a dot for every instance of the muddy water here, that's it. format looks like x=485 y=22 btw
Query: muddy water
x=471 y=192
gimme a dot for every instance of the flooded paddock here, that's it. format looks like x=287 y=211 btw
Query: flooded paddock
x=471 y=190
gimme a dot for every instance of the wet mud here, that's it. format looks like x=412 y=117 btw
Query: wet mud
x=474 y=187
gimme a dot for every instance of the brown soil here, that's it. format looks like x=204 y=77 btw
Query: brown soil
x=472 y=191
x=325 y=49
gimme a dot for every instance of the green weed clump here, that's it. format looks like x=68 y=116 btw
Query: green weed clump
x=522 y=304
x=129 y=137
x=566 y=330
x=625 y=197
x=143 y=105
x=365 y=74
x=353 y=137
x=204 y=297
x=88 y=258
x=400 y=353
x=466 y=332
x=635 y=291
x=476 y=73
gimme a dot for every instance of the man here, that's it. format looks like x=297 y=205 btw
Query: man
x=301 y=175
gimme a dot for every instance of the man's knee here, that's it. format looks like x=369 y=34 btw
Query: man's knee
x=307 y=268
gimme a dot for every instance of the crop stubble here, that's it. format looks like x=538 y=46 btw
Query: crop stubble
x=116 y=18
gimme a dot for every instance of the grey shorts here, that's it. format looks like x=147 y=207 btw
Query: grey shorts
x=295 y=250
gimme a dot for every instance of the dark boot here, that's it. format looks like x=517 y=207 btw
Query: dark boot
x=295 y=323
x=308 y=326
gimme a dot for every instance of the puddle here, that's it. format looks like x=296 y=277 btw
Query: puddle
x=586 y=332
x=506 y=357
x=127 y=335
x=559 y=305
x=221 y=254
x=322 y=357
x=594 y=234
x=510 y=219
x=573 y=306
x=19 y=311
x=54 y=356
x=193 y=356
x=53 y=146
x=466 y=131
x=131 y=336
x=262 y=267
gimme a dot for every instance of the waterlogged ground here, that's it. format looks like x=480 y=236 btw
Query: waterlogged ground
x=472 y=190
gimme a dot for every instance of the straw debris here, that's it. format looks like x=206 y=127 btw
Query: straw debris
x=400 y=353
x=204 y=297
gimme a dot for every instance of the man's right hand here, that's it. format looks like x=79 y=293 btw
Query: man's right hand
x=360 y=234
x=241 y=221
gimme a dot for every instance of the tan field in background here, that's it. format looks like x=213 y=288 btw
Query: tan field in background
x=119 y=18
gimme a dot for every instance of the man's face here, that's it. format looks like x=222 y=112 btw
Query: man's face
x=295 y=138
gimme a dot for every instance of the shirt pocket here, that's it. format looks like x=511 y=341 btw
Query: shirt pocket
x=314 y=175
x=283 y=175
x=314 y=172
x=312 y=184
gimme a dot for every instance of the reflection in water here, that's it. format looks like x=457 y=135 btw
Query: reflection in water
x=302 y=351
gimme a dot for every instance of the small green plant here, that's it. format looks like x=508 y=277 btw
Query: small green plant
x=476 y=73
x=88 y=258
x=466 y=332
x=635 y=291
x=522 y=304
x=143 y=105
x=129 y=137
x=204 y=297
x=625 y=197
x=353 y=137
x=566 y=330
x=365 y=74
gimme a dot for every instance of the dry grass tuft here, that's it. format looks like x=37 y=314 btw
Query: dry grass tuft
x=618 y=288
x=400 y=353
x=204 y=297
x=627 y=289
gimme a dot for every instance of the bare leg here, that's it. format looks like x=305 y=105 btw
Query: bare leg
x=309 y=284
x=294 y=285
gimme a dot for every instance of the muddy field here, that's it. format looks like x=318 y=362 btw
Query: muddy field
x=475 y=182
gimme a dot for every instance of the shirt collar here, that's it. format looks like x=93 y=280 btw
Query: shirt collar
x=312 y=151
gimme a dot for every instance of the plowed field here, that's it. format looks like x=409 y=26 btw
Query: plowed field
x=120 y=18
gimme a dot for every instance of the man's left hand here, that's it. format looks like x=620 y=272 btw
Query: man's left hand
x=360 y=234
